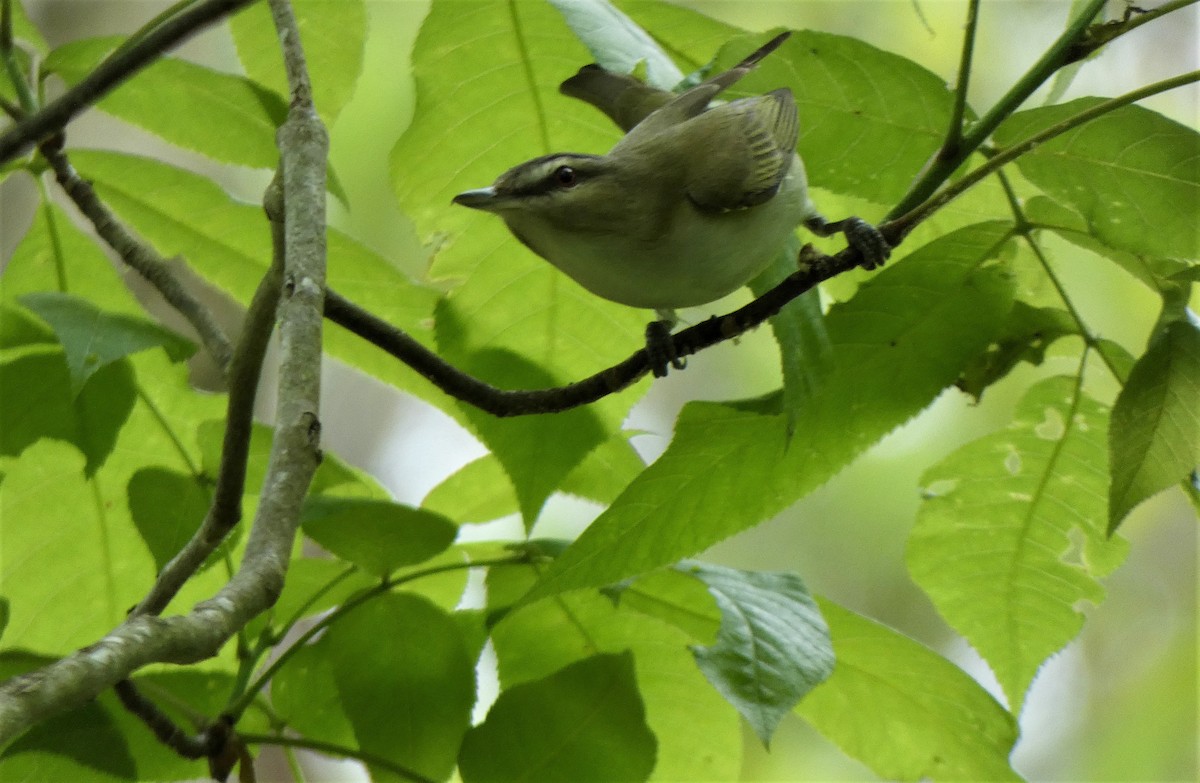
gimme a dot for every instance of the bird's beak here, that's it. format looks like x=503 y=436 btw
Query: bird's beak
x=480 y=198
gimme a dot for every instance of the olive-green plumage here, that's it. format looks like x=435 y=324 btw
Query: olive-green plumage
x=692 y=203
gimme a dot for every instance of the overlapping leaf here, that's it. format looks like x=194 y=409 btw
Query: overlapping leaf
x=1155 y=436
x=1131 y=173
x=905 y=336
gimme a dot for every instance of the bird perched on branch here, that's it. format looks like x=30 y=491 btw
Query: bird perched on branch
x=691 y=204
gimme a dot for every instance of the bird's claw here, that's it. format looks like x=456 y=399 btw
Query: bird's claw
x=872 y=248
x=660 y=349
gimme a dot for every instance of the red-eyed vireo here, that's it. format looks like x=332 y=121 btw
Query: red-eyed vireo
x=691 y=204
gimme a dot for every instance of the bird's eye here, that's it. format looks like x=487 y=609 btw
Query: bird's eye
x=565 y=176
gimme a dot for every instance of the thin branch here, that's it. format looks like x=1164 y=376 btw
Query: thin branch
x=506 y=402
x=918 y=214
x=1054 y=58
x=114 y=70
x=189 y=746
x=226 y=508
x=954 y=130
x=1103 y=34
x=139 y=255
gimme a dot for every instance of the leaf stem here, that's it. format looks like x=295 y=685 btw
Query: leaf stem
x=1053 y=59
x=1005 y=156
x=954 y=131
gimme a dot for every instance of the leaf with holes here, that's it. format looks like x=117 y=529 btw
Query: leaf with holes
x=1011 y=536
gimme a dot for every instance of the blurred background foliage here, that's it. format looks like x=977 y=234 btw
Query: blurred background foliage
x=1119 y=703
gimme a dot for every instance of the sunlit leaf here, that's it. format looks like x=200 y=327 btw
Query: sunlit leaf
x=905 y=711
x=1011 y=536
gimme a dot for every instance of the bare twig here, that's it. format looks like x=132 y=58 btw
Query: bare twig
x=118 y=67
x=190 y=746
x=139 y=255
x=226 y=508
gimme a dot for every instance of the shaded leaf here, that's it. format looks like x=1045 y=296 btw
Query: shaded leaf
x=93 y=338
x=405 y=680
x=1154 y=441
x=167 y=507
x=38 y=404
x=1026 y=336
x=772 y=647
x=377 y=535
x=583 y=723
x=699 y=734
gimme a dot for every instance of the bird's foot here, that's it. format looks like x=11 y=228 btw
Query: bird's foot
x=660 y=348
x=864 y=238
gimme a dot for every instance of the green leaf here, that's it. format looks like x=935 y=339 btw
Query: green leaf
x=583 y=723
x=315 y=585
x=605 y=471
x=93 y=338
x=167 y=508
x=773 y=645
x=917 y=324
x=228 y=118
x=376 y=535
x=306 y=696
x=905 y=711
x=409 y=699
x=699 y=733
x=19 y=327
x=537 y=452
x=56 y=256
x=1154 y=440
x=82 y=744
x=25 y=30
x=1026 y=336
x=479 y=491
x=51 y=522
x=332 y=31
x=1011 y=536
x=1127 y=172
x=38 y=404
x=506 y=298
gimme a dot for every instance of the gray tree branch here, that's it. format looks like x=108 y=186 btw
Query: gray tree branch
x=199 y=634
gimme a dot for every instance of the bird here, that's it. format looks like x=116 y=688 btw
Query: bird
x=694 y=201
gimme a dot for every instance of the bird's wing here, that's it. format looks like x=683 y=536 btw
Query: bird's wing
x=739 y=153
